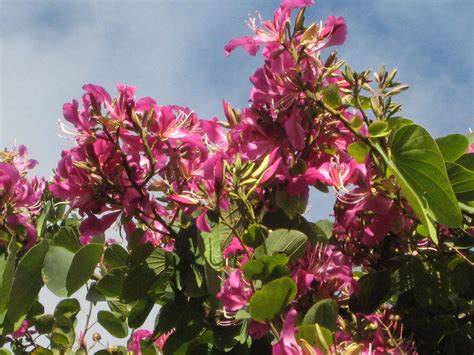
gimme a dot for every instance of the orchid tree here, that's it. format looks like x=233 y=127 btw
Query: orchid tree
x=205 y=218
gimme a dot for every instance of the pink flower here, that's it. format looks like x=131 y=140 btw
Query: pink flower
x=296 y=133
x=271 y=32
x=287 y=344
x=235 y=292
x=93 y=226
x=324 y=268
x=134 y=344
x=21 y=331
x=234 y=248
x=138 y=335
x=333 y=34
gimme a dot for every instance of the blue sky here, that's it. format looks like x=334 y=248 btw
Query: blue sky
x=173 y=51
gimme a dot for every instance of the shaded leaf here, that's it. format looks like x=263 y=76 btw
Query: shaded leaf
x=288 y=242
x=83 y=266
x=270 y=301
x=452 y=146
x=112 y=322
x=324 y=313
x=55 y=269
x=26 y=285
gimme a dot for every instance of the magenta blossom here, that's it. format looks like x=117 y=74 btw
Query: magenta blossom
x=134 y=344
x=287 y=344
x=271 y=33
x=324 y=269
x=235 y=292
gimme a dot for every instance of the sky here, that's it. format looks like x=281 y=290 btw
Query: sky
x=173 y=52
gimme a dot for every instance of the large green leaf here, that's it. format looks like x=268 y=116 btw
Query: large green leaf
x=467 y=161
x=55 y=269
x=278 y=219
x=415 y=201
x=7 y=275
x=324 y=313
x=110 y=285
x=255 y=235
x=140 y=311
x=266 y=267
x=462 y=180
x=26 y=285
x=67 y=237
x=159 y=261
x=137 y=282
x=418 y=160
x=374 y=289
x=212 y=247
x=315 y=335
x=68 y=308
x=115 y=256
x=113 y=323
x=270 y=301
x=83 y=266
x=288 y=242
x=359 y=151
x=452 y=146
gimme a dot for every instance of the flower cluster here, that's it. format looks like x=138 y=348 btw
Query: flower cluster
x=19 y=197
x=134 y=161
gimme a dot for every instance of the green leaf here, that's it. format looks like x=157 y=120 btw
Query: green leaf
x=374 y=289
x=279 y=220
x=363 y=100
x=110 y=285
x=93 y=295
x=137 y=283
x=266 y=267
x=68 y=238
x=140 y=253
x=324 y=226
x=331 y=96
x=288 y=242
x=255 y=235
x=55 y=269
x=44 y=324
x=8 y=274
x=68 y=308
x=112 y=322
x=83 y=266
x=467 y=161
x=61 y=338
x=139 y=312
x=415 y=201
x=452 y=146
x=43 y=218
x=462 y=181
x=324 y=313
x=291 y=205
x=398 y=122
x=270 y=301
x=26 y=285
x=160 y=261
x=418 y=160
x=115 y=256
x=359 y=151
x=315 y=335
x=212 y=247
x=378 y=129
